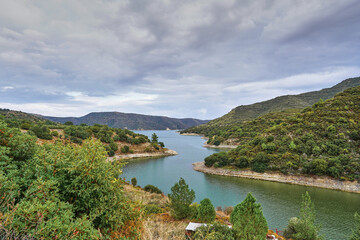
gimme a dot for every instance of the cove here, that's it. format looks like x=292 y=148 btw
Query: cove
x=334 y=209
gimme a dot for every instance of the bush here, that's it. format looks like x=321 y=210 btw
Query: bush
x=152 y=189
x=206 y=211
x=221 y=158
x=215 y=231
x=125 y=149
x=134 y=181
x=152 y=209
x=260 y=162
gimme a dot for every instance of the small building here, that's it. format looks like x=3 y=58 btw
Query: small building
x=191 y=228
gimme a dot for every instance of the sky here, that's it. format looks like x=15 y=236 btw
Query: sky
x=179 y=59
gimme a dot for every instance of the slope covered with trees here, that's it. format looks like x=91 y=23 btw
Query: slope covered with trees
x=115 y=140
x=323 y=139
x=130 y=121
x=249 y=112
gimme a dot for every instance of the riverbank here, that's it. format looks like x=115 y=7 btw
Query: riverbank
x=165 y=153
x=316 y=181
x=221 y=146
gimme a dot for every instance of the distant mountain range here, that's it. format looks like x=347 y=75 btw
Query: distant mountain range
x=130 y=121
x=252 y=111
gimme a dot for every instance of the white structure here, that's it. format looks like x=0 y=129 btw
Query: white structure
x=193 y=226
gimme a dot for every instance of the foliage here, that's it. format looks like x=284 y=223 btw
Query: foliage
x=62 y=191
x=152 y=189
x=217 y=159
x=303 y=228
x=248 y=220
x=206 y=211
x=154 y=138
x=41 y=131
x=215 y=231
x=319 y=140
x=181 y=197
x=152 y=209
x=134 y=181
x=356 y=232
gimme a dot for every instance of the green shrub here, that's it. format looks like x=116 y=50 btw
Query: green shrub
x=134 y=181
x=206 y=211
x=152 y=189
x=152 y=209
x=214 y=231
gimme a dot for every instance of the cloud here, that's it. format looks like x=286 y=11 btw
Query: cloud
x=175 y=58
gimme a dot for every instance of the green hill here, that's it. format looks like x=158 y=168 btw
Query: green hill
x=248 y=112
x=323 y=139
x=12 y=114
x=130 y=121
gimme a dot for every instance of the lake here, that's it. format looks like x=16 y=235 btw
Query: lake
x=334 y=209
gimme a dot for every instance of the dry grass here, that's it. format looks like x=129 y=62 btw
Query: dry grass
x=162 y=227
x=136 y=194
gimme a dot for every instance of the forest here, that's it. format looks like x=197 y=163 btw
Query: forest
x=323 y=139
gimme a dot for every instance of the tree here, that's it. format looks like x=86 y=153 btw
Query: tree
x=206 y=211
x=154 y=138
x=69 y=123
x=181 y=197
x=356 y=232
x=134 y=181
x=303 y=228
x=248 y=220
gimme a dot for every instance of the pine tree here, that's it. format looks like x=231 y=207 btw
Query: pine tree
x=206 y=211
x=181 y=197
x=248 y=220
x=154 y=138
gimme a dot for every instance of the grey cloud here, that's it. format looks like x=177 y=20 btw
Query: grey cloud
x=175 y=57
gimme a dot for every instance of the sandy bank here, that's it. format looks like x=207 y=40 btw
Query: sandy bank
x=219 y=146
x=144 y=155
x=316 y=181
x=190 y=134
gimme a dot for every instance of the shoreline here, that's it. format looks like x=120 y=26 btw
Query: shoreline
x=316 y=181
x=190 y=134
x=221 y=146
x=143 y=155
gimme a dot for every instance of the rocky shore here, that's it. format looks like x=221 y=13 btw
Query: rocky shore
x=220 y=146
x=165 y=153
x=313 y=181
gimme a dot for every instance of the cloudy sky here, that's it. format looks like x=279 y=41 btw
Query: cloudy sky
x=183 y=58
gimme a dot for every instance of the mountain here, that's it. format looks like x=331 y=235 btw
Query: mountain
x=248 y=112
x=130 y=121
x=323 y=140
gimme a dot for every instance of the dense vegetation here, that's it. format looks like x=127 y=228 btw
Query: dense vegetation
x=131 y=121
x=248 y=112
x=115 y=140
x=323 y=139
x=61 y=191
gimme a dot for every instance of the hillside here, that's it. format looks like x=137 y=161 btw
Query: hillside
x=248 y=112
x=323 y=139
x=12 y=114
x=130 y=121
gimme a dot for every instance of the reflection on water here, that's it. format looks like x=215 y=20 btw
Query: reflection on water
x=334 y=209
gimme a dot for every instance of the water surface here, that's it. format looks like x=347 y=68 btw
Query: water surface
x=280 y=202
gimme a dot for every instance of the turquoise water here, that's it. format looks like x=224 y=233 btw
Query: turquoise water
x=280 y=202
